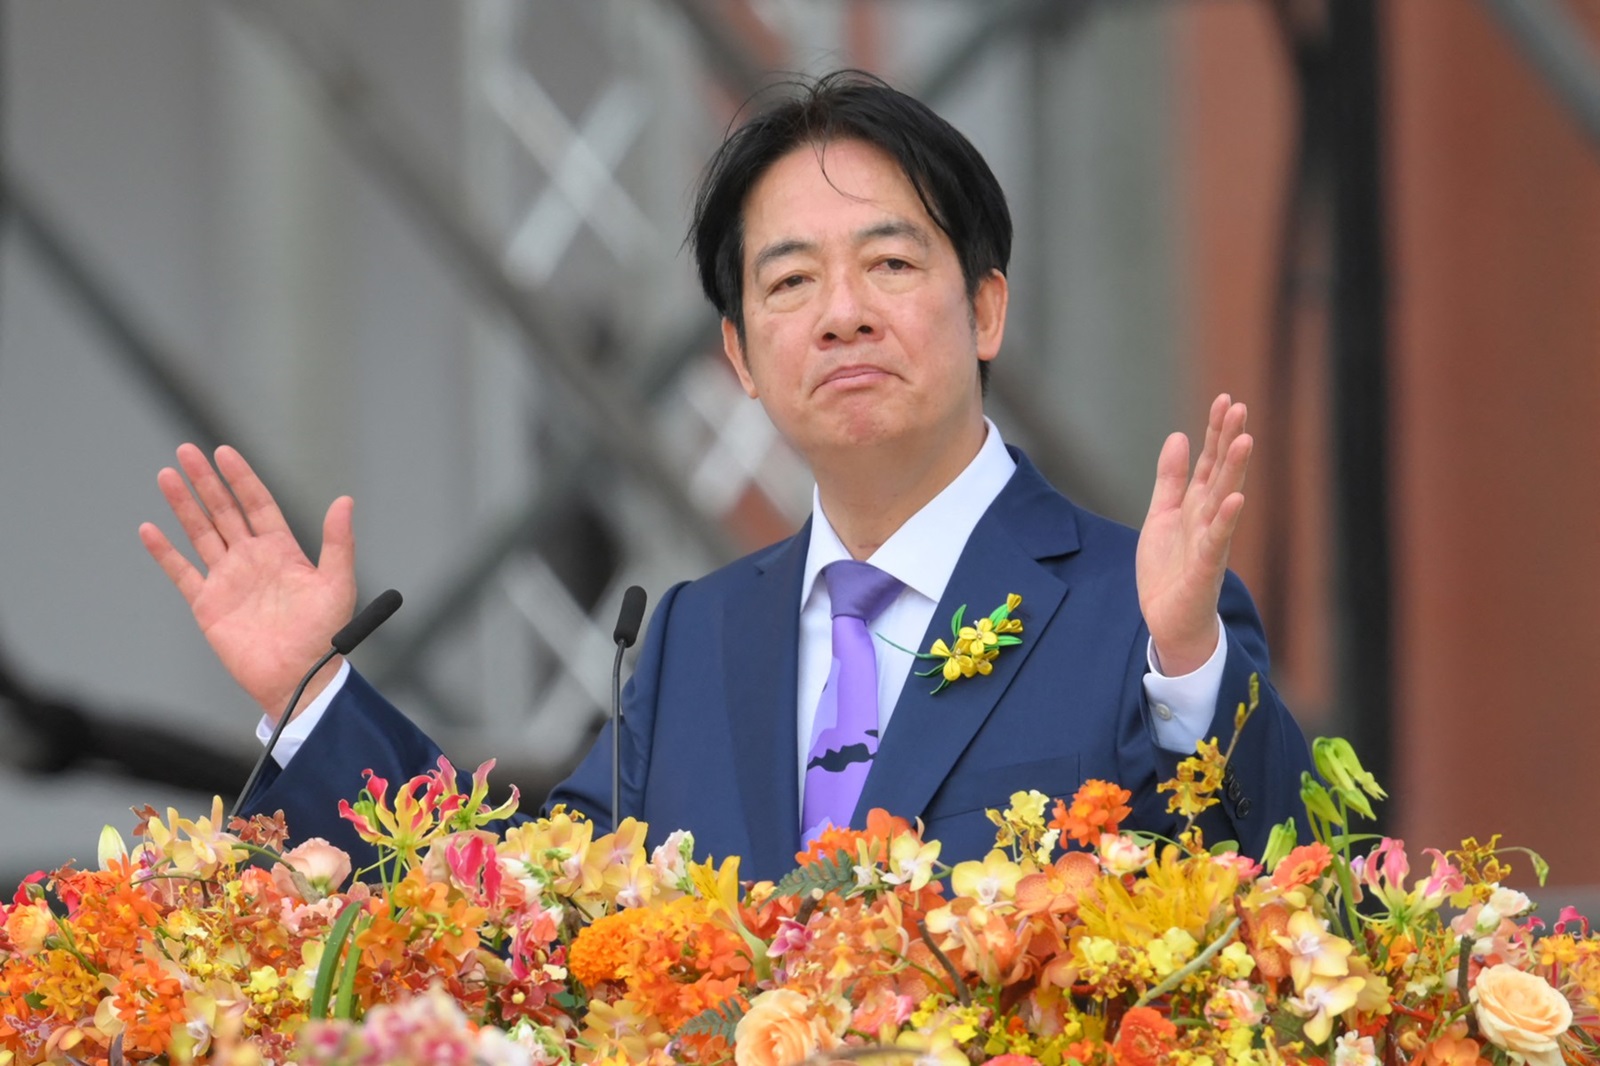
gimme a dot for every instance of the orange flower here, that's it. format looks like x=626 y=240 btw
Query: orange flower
x=1098 y=807
x=602 y=948
x=1302 y=866
x=150 y=1003
x=1057 y=888
x=673 y=960
x=1143 y=1038
x=1263 y=932
x=882 y=827
x=1452 y=1049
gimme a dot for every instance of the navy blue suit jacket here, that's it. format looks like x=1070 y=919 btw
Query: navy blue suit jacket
x=709 y=735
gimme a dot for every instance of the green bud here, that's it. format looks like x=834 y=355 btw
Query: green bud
x=1317 y=799
x=1280 y=842
x=111 y=847
x=1337 y=763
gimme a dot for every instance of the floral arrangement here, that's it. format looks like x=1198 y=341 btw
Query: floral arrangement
x=1072 y=942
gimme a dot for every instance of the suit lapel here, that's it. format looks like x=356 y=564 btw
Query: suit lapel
x=761 y=637
x=927 y=734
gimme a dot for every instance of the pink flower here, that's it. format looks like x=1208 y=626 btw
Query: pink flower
x=792 y=936
x=321 y=866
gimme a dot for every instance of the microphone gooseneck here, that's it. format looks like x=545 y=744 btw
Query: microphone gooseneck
x=629 y=618
x=344 y=642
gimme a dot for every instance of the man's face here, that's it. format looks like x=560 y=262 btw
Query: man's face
x=858 y=328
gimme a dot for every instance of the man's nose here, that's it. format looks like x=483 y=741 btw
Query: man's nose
x=846 y=313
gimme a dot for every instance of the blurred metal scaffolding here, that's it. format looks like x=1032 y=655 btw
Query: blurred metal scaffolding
x=614 y=443
x=556 y=177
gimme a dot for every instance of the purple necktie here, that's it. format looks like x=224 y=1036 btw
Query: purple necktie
x=844 y=735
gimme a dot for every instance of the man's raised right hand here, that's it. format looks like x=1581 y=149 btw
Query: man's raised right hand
x=267 y=612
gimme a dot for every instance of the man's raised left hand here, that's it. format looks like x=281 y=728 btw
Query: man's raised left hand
x=1183 y=546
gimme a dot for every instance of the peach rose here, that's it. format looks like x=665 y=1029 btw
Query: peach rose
x=782 y=1027
x=27 y=925
x=1521 y=1013
x=321 y=866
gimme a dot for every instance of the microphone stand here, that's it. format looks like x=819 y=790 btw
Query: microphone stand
x=344 y=642
x=626 y=632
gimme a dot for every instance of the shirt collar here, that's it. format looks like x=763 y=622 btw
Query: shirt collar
x=923 y=552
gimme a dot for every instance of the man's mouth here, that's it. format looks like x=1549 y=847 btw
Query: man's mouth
x=854 y=374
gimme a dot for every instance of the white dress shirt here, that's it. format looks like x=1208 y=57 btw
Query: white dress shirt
x=922 y=554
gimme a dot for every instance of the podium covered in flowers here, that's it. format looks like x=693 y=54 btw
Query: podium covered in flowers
x=1071 y=942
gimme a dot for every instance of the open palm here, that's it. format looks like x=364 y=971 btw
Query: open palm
x=265 y=609
x=1183 y=545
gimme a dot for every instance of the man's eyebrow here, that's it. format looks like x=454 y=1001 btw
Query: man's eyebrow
x=897 y=227
x=779 y=249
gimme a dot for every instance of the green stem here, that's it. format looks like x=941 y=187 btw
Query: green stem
x=1341 y=869
x=1192 y=967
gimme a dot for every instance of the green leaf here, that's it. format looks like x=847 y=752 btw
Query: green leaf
x=720 y=1020
x=955 y=621
x=330 y=959
x=831 y=873
x=1222 y=847
x=1005 y=640
x=344 y=1003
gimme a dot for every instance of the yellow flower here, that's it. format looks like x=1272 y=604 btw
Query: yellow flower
x=1167 y=954
x=1314 y=952
x=1192 y=894
x=939 y=1049
x=990 y=881
x=263 y=986
x=1199 y=778
x=1323 y=1000
x=911 y=861
x=976 y=638
x=1027 y=808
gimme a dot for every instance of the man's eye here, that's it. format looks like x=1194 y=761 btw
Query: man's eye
x=793 y=281
x=897 y=264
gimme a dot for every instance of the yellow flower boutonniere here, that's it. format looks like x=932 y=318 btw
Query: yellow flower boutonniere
x=975 y=647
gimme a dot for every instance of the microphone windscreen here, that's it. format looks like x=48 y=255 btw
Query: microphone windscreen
x=630 y=617
x=361 y=626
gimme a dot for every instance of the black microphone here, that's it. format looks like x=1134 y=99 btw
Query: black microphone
x=361 y=626
x=344 y=642
x=627 y=631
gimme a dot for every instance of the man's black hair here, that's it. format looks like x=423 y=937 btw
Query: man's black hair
x=956 y=186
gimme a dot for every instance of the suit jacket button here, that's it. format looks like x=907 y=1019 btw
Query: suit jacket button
x=1243 y=808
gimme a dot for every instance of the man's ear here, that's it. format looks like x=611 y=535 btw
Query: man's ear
x=735 y=353
x=989 y=314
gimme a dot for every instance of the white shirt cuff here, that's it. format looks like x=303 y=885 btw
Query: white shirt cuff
x=300 y=727
x=1181 y=708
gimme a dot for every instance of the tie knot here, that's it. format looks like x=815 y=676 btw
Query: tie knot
x=859 y=590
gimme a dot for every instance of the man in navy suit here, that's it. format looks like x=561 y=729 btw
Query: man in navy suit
x=855 y=246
